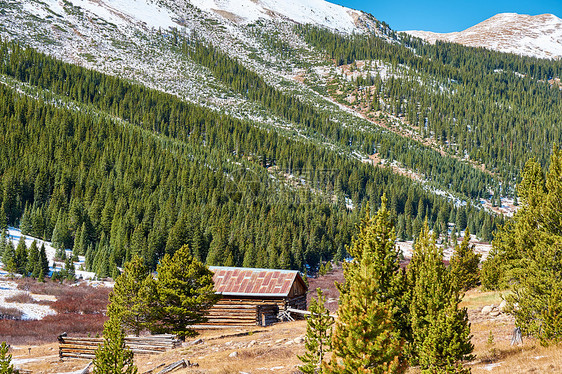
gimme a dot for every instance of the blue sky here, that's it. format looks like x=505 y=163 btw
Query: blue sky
x=447 y=15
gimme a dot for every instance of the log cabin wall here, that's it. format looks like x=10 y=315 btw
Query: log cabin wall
x=253 y=297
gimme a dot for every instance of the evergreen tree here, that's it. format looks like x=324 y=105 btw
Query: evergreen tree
x=69 y=270
x=464 y=265
x=318 y=335
x=366 y=339
x=440 y=330
x=33 y=259
x=128 y=301
x=377 y=241
x=6 y=366
x=21 y=256
x=527 y=252
x=3 y=220
x=43 y=260
x=113 y=356
x=9 y=258
x=183 y=292
x=3 y=242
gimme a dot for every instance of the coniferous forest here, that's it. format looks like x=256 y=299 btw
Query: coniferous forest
x=111 y=169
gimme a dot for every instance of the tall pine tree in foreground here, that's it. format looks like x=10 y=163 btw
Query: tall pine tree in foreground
x=318 y=335
x=113 y=357
x=527 y=251
x=366 y=338
x=182 y=294
x=128 y=300
x=440 y=330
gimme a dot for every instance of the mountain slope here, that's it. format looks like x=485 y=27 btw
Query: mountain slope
x=535 y=36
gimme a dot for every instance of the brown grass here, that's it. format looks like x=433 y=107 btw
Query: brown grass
x=25 y=298
x=81 y=312
x=327 y=284
x=7 y=313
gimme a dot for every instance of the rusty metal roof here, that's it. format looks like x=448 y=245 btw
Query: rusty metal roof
x=231 y=281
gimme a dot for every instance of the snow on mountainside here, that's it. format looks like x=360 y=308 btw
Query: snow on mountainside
x=317 y=12
x=539 y=36
x=133 y=39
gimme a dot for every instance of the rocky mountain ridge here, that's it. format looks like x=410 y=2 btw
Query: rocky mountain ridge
x=535 y=36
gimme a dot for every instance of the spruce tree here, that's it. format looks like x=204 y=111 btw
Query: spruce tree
x=33 y=260
x=3 y=219
x=526 y=253
x=113 y=356
x=43 y=260
x=9 y=258
x=3 y=242
x=21 y=256
x=366 y=337
x=6 y=366
x=128 y=300
x=318 y=335
x=182 y=294
x=464 y=265
x=440 y=330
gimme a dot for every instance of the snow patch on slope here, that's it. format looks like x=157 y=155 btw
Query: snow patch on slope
x=539 y=36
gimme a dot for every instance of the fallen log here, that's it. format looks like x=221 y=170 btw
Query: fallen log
x=176 y=365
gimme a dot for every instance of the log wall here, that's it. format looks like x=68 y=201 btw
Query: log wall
x=85 y=348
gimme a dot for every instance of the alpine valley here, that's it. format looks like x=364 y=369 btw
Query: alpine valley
x=257 y=131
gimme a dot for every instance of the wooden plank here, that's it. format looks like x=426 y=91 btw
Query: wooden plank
x=176 y=365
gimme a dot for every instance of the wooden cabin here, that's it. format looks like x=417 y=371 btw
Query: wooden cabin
x=254 y=296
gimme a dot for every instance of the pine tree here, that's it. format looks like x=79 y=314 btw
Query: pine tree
x=113 y=357
x=377 y=241
x=183 y=292
x=526 y=253
x=9 y=258
x=6 y=366
x=464 y=265
x=21 y=256
x=440 y=330
x=33 y=258
x=3 y=242
x=318 y=335
x=69 y=269
x=128 y=300
x=43 y=260
x=3 y=220
x=366 y=337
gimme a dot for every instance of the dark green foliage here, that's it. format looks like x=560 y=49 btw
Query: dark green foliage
x=163 y=177
x=44 y=262
x=5 y=360
x=113 y=357
x=181 y=294
x=9 y=258
x=367 y=337
x=21 y=256
x=487 y=104
x=464 y=265
x=129 y=302
x=440 y=330
x=33 y=260
x=318 y=335
x=526 y=253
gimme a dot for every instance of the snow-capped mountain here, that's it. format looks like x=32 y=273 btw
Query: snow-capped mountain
x=317 y=12
x=131 y=38
x=539 y=36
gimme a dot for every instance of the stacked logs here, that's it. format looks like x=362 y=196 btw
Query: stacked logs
x=86 y=347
